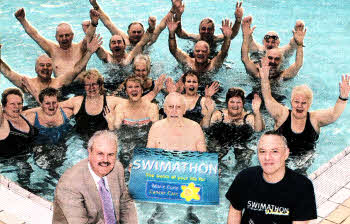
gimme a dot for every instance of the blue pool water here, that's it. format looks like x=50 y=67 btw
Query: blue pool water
x=325 y=59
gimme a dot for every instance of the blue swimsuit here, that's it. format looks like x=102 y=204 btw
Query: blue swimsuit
x=53 y=135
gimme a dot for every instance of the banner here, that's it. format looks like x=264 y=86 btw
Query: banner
x=158 y=175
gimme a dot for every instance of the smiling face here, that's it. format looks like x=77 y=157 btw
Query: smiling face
x=102 y=155
x=191 y=84
x=14 y=106
x=117 y=45
x=271 y=40
x=174 y=106
x=206 y=30
x=235 y=106
x=300 y=106
x=133 y=90
x=49 y=105
x=274 y=58
x=92 y=87
x=64 y=36
x=272 y=155
x=43 y=67
x=135 y=33
x=140 y=69
x=201 y=52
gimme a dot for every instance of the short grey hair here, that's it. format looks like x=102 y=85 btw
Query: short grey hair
x=107 y=134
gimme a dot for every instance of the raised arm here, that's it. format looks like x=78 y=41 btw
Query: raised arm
x=158 y=85
x=11 y=75
x=94 y=17
x=250 y=67
x=179 y=55
x=227 y=31
x=144 y=40
x=288 y=49
x=92 y=47
x=108 y=22
x=154 y=112
x=45 y=44
x=178 y=9
x=259 y=124
x=275 y=109
x=208 y=105
x=161 y=26
x=235 y=29
x=293 y=70
x=328 y=116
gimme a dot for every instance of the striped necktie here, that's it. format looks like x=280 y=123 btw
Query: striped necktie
x=107 y=203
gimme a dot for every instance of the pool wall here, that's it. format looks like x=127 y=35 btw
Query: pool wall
x=331 y=183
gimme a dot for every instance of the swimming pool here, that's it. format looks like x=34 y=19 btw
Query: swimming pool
x=325 y=59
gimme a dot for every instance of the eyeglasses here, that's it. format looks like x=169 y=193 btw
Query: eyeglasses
x=91 y=85
x=274 y=37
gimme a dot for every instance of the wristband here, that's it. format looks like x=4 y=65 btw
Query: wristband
x=149 y=30
x=171 y=38
x=343 y=99
x=93 y=24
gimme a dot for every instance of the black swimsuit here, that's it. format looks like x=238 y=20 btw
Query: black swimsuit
x=17 y=141
x=299 y=142
x=196 y=113
x=88 y=124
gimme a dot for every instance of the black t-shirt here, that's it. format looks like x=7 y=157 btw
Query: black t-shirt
x=291 y=199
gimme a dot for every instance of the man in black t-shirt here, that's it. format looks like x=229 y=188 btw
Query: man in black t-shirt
x=271 y=193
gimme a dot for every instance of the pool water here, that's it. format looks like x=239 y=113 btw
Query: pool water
x=325 y=59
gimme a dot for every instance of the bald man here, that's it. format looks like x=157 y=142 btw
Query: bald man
x=200 y=63
x=44 y=68
x=65 y=54
x=176 y=132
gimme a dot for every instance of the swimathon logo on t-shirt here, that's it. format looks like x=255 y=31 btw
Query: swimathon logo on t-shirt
x=268 y=209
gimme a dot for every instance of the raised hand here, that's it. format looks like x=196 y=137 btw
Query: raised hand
x=209 y=107
x=246 y=23
x=172 y=24
x=94 y=16
x=226 y=28
x=178 y=6
x=256 y=103
x=94 y=44
x=158 y=84
x=344 y=86
x=210 y=91
x=108 y=115
x=239 y=11
x=299 y=33
x=20 y=14
x=170 y=85
x=94 y=3
x=152 y=23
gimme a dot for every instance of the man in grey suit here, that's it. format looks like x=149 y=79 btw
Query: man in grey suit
x=94 y=191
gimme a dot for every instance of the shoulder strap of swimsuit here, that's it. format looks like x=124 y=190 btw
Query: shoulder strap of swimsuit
x=222 y=116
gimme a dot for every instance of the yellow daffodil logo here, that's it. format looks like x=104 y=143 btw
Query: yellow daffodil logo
x=190 y=192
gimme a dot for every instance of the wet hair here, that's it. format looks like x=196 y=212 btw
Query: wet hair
x=133 y=23
x=207 y=21
x=107 y=134
x=93 y=73
x=190 y=73
x=304 y=90
x=133 y=78
x=276 y=133
x=48 y=92
x=9 y=91
x=235 y=92
x=142 y=57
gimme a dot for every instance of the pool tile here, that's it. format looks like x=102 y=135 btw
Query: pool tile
x=339 y=214
x=326 y=208
x=347 y=221
x=341 y=196
x=325 y=221
x=348 y=185
x=320 y=200
x=10 y=218
x=346 y=203
x=325 y=187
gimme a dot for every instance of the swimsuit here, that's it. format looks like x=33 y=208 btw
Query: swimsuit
x=137 y=122
x=17 y=141
x=52 y=135
x=299 y=142
x=87 y=124
x=196 y=113
x=146 y=91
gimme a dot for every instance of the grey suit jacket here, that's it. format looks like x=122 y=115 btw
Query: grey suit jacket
x=77 y=199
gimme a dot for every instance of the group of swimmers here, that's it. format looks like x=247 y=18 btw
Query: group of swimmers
x=186 y=111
